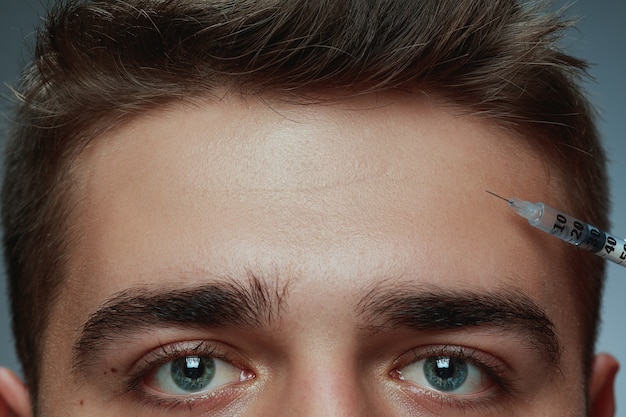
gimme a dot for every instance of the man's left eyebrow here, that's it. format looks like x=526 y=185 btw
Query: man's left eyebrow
x=228 y=303
x=435 y=309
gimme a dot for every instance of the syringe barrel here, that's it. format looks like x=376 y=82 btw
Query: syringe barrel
x=581 y=234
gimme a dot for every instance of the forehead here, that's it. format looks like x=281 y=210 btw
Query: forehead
x=361 y=189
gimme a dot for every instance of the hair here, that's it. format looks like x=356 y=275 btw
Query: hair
x=100 y=63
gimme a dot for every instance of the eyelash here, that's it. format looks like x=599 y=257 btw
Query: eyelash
x=495 y=370
x=168 y=353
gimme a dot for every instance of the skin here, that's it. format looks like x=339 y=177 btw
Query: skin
x=323 y=204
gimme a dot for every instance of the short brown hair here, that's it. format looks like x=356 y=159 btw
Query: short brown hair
x=100 y=63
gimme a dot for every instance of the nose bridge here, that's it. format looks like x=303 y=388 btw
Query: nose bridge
x=326 y=389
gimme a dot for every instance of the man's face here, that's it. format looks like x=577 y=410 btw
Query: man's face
x=246 y=258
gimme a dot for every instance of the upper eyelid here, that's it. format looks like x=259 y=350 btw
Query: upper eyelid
x=462 y=352
x=477 y=356
x=166 y=353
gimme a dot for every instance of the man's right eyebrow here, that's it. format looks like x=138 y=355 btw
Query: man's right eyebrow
x=227 y=303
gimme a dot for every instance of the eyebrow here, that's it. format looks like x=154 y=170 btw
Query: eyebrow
x=226 y=303
x=254 y=303
x=433 y=309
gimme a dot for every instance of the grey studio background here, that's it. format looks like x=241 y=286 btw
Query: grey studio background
x=600 y=38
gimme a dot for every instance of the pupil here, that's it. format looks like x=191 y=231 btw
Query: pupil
x=445 y=368
x=194 y=368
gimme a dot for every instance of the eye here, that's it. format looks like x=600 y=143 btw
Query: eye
x=447 y=374
x=192 y=375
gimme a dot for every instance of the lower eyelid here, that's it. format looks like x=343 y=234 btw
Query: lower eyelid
x=440 y=404
x=208 y=402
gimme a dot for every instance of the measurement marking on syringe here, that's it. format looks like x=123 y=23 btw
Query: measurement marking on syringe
x=570 y=229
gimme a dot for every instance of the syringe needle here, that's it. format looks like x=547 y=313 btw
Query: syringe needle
x=532 y=212
x=499 y=196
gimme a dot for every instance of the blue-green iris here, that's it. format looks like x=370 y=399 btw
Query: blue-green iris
x=193 y=373
x=445 y=373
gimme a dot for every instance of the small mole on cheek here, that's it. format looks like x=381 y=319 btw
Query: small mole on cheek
x=82 y=402
x=113 y=370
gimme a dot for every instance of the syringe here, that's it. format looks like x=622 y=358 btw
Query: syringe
x=569 y=229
